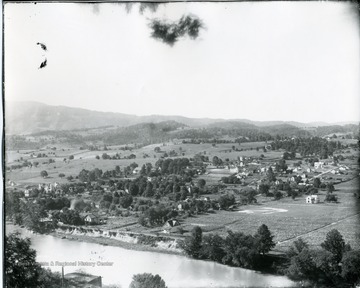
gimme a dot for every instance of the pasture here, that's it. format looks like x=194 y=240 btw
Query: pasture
x=289 y=219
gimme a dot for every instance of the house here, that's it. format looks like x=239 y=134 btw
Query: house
x=335 y=171
x=318 y=165
x=27 y=193
x=171 y=223
x=312 y=199
x=78 y=279
x=342 y=168
x=136 y=170
x=91 y=219
x=180 y=207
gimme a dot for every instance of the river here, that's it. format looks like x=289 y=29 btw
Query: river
x=117 y=265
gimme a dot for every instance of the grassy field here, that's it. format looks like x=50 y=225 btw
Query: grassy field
x=289 y=219
x=85 y=159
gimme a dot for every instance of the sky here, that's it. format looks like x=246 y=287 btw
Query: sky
x=290 y=61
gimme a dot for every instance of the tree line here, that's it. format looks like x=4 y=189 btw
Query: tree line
x=236 y=249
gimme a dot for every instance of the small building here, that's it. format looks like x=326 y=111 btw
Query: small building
x=83 y=280
x=312 y=199
x=27 y=193
x=180 y=207
x=91 y=219
x=137 y=170
x=318 y=165
x=171 y=223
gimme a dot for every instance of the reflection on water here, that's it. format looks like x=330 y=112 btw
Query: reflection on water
x=117 y=265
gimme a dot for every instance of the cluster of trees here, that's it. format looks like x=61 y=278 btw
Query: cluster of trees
x=67 y=216
x=231 y=180
x=156 y=215
x=21 y=268
x=336 y=264
x=172 y=166
x=34 y=214
x=236 y=249
x=307 y=146
x=147 y=280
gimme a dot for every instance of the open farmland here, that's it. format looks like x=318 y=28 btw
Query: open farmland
x=289 y=219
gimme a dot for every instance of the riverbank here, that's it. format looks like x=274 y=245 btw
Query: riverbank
x=273 y=262
x=161 y=247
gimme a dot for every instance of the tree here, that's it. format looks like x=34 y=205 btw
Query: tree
x=350 y=267
x=281 y=165
x=212 y=248
x=270 y=175
x=297 y=246
x=43 y=174
x=201 y=183
x=334 y=243
x=330 y=197
x=216 y=161
x=264 y=239
x=240 y=250
x=71 y=157
x=126 y=201
x=330 y=187
x=149 y=191
x=264 y=189
x=277 y=194
x=147 y=280
x=192 y=244
x=32 y=214
x=21 y=269
x=302 y=267
x=225 y=201
x=61 y=175
x=317 y=182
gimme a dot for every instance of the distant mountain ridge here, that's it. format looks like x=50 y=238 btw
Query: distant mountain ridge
x=32 y=117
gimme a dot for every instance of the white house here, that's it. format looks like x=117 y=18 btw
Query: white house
x=27 y=193
x=312 y=199
x=318 y=165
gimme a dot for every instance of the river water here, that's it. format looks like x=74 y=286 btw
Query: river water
x=117 y=265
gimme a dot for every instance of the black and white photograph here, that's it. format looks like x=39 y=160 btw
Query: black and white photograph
x=181 y=144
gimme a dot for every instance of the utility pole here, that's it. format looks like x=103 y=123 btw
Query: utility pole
x=62 y=276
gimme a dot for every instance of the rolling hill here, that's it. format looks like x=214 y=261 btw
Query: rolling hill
x=23 y=118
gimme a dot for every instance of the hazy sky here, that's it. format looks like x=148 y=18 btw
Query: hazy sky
x=261 y=61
